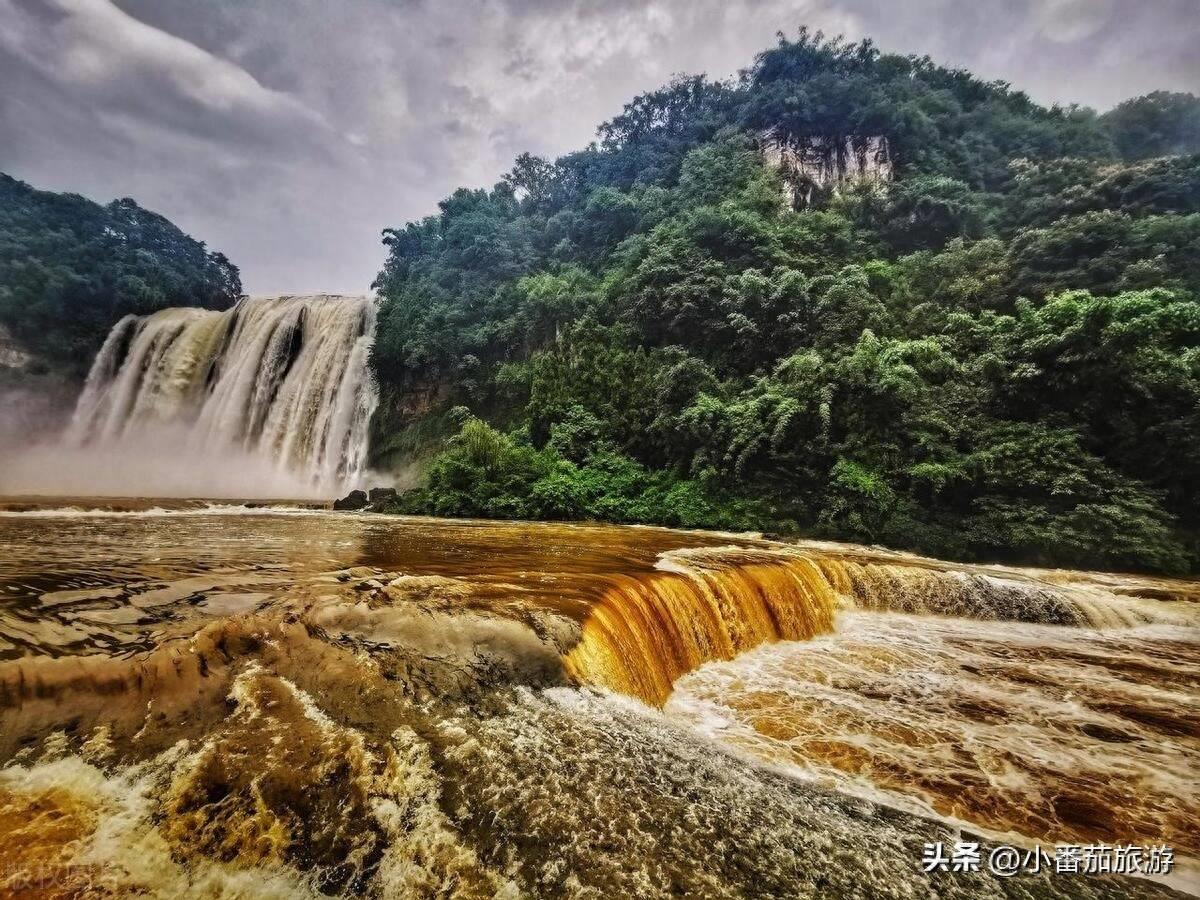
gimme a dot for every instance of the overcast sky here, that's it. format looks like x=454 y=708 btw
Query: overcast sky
x=288 y=133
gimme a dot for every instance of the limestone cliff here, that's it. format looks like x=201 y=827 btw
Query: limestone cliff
x=12 y=354
x=822 y=163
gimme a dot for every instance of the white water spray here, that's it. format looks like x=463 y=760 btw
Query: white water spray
x=270 y=398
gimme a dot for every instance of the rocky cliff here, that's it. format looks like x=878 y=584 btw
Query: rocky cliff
x=823 y=164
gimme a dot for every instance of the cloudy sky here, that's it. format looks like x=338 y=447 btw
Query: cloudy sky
x=288 y=133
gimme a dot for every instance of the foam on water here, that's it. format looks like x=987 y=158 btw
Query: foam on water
x=158 y=512
x=1042 y=732
x=254 y=702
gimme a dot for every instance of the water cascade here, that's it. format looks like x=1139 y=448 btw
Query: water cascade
x=710 y=604
x=646 y=632
x=223 y=701
x=279 y=386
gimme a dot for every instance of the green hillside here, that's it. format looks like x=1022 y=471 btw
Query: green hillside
x=71 y=268
x=848 y=294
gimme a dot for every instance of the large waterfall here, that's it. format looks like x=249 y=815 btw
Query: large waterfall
x=271 y=397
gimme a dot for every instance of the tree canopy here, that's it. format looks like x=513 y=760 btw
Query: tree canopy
x=989 y=351
x=71 y=268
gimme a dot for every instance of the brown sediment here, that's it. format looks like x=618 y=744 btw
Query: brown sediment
x=480 y=604
x=278 y=782
x=39 y=832
x=176 y=687
x=307 y=777
x=390 y=710
x=715 y=603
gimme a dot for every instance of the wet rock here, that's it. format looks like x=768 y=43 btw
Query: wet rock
x=378 y=496
x=353 y=500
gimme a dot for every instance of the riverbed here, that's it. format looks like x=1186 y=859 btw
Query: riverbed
x=272 y=700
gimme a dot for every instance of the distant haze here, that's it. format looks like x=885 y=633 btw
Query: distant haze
x=288 y=133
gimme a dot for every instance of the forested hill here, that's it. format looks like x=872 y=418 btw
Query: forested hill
x=71 y=268
x=847 y=294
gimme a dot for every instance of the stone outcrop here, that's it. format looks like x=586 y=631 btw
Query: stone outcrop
x=12 y=354
x=377 y=496
x=352 y=501
x=374 y=499
x=824 y=164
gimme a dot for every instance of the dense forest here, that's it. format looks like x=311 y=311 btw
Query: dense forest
x=71 y=268
x=847 y=294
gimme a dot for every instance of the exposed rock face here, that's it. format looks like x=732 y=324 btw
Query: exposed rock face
x=405 y=404
x=374 y=499
x=825 y=163
x=353 y=500
x=380 y=495
x=12 y=354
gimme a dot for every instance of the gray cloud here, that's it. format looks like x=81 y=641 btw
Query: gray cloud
x=289 y=132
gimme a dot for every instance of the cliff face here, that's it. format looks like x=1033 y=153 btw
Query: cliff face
x=824 y=163
x=35 y=396
x=13 y=356
x=409 y=424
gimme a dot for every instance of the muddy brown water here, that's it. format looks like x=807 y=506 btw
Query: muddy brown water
x=229 y=701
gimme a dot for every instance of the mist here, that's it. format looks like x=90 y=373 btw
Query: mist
x=161 y=462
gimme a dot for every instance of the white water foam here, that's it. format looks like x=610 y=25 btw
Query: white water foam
x=272 y=398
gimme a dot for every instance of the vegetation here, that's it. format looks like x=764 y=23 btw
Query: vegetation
x=70 y=269
x=993 y=354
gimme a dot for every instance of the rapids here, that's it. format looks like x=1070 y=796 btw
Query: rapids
x=234 y=701
x=1067 y=733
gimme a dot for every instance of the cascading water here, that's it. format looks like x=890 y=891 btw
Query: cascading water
x=232 y=701
x=275 y=393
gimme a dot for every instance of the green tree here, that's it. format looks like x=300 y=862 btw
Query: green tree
x=1158 y=124
x=70 y=269
x=990 y=351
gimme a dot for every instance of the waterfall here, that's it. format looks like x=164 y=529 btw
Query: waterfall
x=646 y=632
x=276 y=391
x=709 y=604
x=195 y=699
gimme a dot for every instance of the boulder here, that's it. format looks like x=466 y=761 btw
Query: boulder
x=381 y=495
x=353 y=500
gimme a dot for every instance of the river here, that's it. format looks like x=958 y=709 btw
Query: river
x=246 y=701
